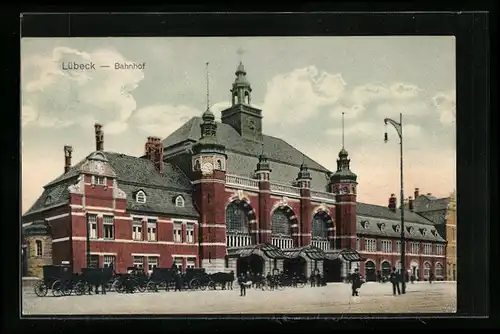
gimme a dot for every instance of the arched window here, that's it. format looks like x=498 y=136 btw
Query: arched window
x=280 y=224
x=140 y=197
x=427 y=269
x=39 y=249
x=218 y=166
x=197 y=165
x=179 y=202
x=439 y=270
x=319 y=228
x=236 y=218
x=48 y=200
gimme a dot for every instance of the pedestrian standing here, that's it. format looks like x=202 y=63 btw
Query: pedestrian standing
x=243 y=287
x=395 y=278
x=355 y=282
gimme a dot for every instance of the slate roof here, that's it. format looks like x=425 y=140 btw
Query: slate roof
x=133 y=174
x=285 y=160
x=58 y=194
x=382 y=222
x=432 y=208
x=424 y=203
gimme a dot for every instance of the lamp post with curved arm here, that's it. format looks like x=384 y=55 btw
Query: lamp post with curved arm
x=399 y=130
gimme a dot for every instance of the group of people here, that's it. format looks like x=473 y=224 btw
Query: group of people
x=395 y=278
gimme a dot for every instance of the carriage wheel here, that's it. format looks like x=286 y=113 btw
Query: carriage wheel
x=41 y=289
x=141 y=287
x=66 y=290
x=114 y=285
x=56 y=288
x=212 y=285
x=151 y=287
x=119 y=287
x=194 y=284
x=79 y=288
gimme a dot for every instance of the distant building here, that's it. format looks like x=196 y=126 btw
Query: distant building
x=442 y=212
x=224 y=196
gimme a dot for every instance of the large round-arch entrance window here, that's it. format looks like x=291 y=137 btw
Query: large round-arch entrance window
x=281 y=230
x=237 y=224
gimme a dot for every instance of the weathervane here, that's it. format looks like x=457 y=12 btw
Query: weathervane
x=343 y=130
x=240 y=53
x=208 y=88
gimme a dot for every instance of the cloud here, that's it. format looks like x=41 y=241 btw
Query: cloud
x=445 y=103
x=161 y=120
x=300 y=94
x=53 y=96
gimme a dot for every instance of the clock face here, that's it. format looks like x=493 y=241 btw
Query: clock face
x=207 y=168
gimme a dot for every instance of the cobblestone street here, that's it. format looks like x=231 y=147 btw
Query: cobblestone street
x=335 y=298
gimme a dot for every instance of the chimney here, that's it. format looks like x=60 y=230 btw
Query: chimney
x=393 y=203
x=429 y=194
x=154 y=152
x=411 y=203
x=417 y=193
x=99 y=137
x=67 y=158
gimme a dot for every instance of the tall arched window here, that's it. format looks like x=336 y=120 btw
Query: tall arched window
x=236 y=218
x=439 y=270
x=319 y=228
x=427 y=269
x=39 y=249
x=280 y=224
x=281 y=229
x=237 y=225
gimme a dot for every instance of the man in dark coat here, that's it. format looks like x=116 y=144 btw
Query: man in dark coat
x=355 y=282
x=242 y=280
x=395 y=278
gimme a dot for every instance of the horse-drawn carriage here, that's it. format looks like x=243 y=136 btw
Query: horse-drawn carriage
x=134 y=279
x=60 y=280
x=96 y=277
x=161 y=278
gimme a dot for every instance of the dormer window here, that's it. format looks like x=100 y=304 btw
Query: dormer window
x=397 y=228
x=424 y=231
x=179 y=202
x=140 y=197
x=365 y=224
x=48 y=200
x=382 y=226
x=433 y=232
x=411 y=229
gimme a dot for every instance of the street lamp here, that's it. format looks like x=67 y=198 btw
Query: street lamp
x=399 y=130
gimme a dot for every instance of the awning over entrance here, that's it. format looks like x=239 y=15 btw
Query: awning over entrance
x=269 y=250
x=349 y=255
x=312 y=252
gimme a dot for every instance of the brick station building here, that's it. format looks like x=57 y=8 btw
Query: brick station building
x=224 y=196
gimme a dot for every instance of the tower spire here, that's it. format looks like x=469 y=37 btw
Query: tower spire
x=342 y=130
x=208 y=87
x=240 y=53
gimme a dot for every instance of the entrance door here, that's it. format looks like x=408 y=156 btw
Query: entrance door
x=253 y=264
x=332 y=270
x=386 y=269
x=370 y=272
x=297 y=266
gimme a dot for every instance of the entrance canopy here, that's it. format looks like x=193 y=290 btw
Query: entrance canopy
x=349 y=255
x=269 y=250
x=312 y=252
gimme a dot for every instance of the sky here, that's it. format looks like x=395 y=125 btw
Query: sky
x=302 y=84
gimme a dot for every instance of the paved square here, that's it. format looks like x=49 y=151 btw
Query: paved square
x=334 y=298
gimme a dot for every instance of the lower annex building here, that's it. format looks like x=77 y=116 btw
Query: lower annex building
x=222 y=196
